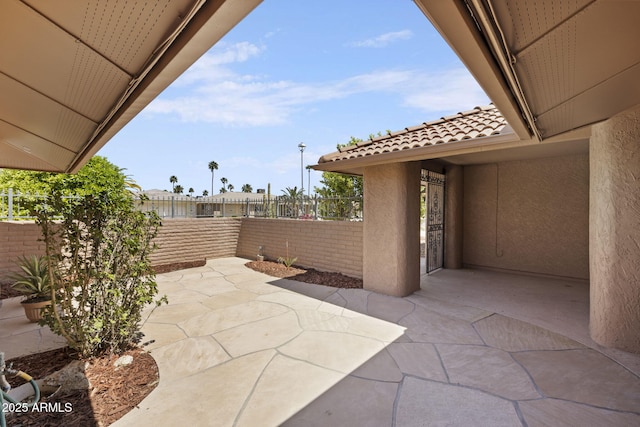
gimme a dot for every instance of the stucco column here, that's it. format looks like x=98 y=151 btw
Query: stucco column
x=391 y=253
x=614 y=231
x=453 y=211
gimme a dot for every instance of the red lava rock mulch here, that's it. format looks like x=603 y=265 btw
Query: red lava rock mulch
x=307 y=275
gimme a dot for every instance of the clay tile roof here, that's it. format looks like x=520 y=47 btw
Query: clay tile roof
x=476 y=123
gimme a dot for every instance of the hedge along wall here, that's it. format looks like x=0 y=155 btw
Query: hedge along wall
x=323 y=245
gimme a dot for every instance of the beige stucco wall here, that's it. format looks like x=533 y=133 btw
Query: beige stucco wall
x=528 y=216
x=324 y=245
x=392 y=228
x=615 y=231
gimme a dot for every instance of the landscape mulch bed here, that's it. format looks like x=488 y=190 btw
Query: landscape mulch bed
x=307 y=275
x=113 y=391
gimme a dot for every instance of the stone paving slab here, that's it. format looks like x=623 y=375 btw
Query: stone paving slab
x=428 y=326
x=488 y=369
x=284 y=387
x=374 y=405
x=19 y=336
x=515 y=335
x=583 y=376
x=560 y=413
x=428 y=403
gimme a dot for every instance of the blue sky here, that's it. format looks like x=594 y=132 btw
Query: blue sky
x=294 y=71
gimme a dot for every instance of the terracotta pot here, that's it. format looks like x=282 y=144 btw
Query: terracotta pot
x=33 y=310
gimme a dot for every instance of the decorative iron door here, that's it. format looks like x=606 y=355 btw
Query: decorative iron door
x=435 y=219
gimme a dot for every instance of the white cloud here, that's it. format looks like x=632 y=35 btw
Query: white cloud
x=451 y=90
x=210 y=66
x=383 y=40
x=212 y=92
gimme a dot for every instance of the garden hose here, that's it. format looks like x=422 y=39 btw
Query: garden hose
x=6 y=387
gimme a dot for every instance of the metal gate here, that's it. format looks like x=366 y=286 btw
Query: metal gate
x=434 y=183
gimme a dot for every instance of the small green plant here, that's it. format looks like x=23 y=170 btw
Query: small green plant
x=34 y=281
x=287 y=261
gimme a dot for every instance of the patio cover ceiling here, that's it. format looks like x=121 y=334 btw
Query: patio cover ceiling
x=549 y=66
x=73 y=73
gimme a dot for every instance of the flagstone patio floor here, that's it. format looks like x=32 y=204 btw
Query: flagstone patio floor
x=238 y=348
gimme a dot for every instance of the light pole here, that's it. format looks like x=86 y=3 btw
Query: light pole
x=309 y=182
x=301 y=146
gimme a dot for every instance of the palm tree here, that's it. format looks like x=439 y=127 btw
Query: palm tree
x=230 y=187
x=224 y=181
x=292 y=196
x=173 y=180
x=212 y=166
x=191 y=190
x=205 y=193
x=247 y=188
x=223 y=190
x=178 y=189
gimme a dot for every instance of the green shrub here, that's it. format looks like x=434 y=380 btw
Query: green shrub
x=99 y=253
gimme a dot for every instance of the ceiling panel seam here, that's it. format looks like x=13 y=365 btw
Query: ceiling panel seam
x=533 y=42
x=35 y=135
x=590 y=88
x=80 y=40
x=66 y=107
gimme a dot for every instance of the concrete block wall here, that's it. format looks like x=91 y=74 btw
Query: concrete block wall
x=17 y=239
x=324 y=245
x=184 y=241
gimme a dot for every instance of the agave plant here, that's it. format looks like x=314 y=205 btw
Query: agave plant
x=34 y=281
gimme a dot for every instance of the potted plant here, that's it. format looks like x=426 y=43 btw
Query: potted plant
x=34 y=283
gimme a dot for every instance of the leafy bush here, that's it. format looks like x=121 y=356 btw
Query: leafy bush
x=99 y=253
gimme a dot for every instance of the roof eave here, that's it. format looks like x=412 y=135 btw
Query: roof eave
x=454 y=23
x=213 y=20
x=355 y=166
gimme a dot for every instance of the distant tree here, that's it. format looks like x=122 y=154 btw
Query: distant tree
x=292 y=197
x=224 y=181
x=97 y=176
x=178 y=189
x=223 y=190
x=173 y=180
x=230 y=187
x=339 y=188
x=340 y=185
x=247 y=188
x=205 y=193
x=212 y=167
x=191 y=190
